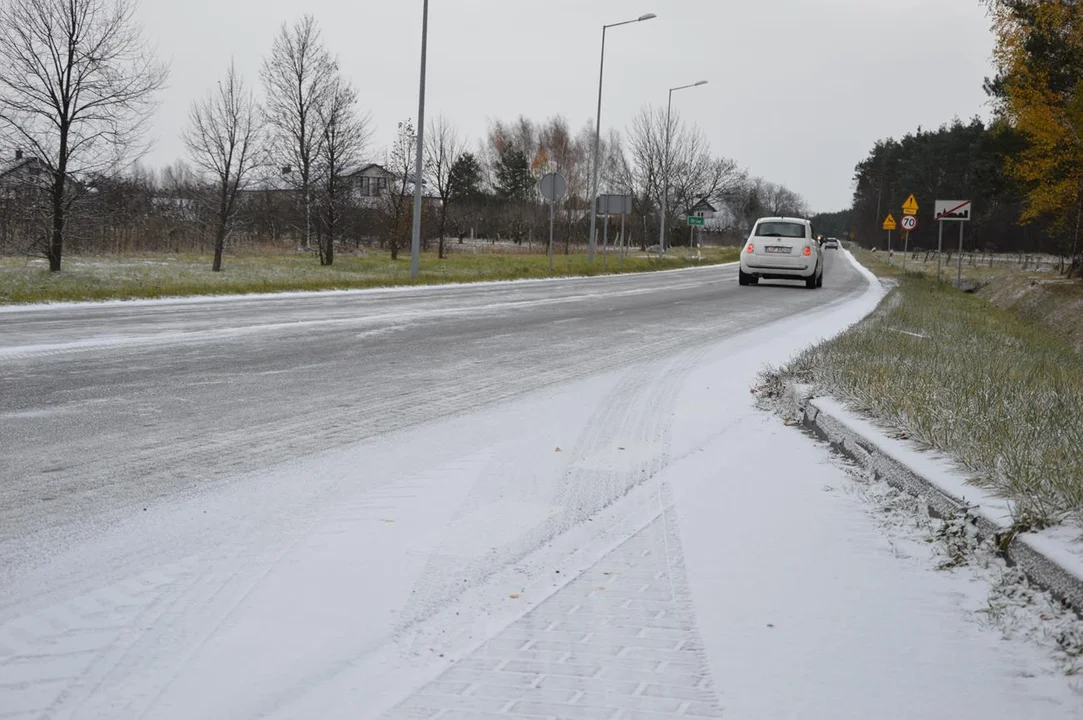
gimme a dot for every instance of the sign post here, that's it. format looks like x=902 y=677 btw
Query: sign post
x=939 y=250
x=694 y=221
x=623 y=241
x=605 y=243
x=953 y=211
x=553 y=188
x=612 y=205
x=889 y=225
x=909 y=222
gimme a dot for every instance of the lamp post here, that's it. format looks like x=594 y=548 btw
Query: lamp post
x=665 y=167
x=598 y=129
x=415 y=239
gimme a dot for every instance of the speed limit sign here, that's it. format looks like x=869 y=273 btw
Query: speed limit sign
x=909 y=222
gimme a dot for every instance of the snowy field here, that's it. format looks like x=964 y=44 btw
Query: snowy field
x=542 y=500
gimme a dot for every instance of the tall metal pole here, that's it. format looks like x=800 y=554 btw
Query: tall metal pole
x=939 y=251
x=665 y=166
x=665 y=181
x=596 y=162
x=415 y=241
x=597 y=149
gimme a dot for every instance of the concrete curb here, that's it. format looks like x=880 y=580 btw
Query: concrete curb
x=1021 y=550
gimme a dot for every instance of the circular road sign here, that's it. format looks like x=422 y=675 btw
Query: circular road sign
x=909 y=222
x=553 y=186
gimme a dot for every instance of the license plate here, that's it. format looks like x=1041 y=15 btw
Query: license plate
x=779 y=249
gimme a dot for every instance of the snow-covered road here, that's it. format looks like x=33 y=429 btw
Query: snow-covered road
x=549 y=499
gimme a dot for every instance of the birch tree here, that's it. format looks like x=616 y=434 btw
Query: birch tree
x=298 y=80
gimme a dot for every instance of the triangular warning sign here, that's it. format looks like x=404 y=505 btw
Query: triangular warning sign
x=889 y=222
x=910 y=207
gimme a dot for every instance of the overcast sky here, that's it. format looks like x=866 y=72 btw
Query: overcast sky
x=798 y=89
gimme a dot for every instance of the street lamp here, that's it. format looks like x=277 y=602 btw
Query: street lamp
x=415 y=240
x=598 y=129
x=665 y=167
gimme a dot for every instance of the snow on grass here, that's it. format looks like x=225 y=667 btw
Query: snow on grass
x=1053 y=303
x=1002 y=396
x=165 y=275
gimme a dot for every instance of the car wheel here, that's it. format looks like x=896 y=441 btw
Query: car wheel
x=743 y=278
x=811 y=282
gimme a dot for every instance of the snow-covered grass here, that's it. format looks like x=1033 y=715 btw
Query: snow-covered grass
x=976 y=265
x=950 y=370
x=1053 y=302
x=170 y=275
x=1034 y=291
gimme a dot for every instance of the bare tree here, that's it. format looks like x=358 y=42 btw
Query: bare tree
x=643 y=165
x=780 y=201
x=298 y=79
x=758 y=198
x=686 y=167
x=345 y=135
x=399 y=198
x=444 y=147
x=77 y=83
x=222 y=139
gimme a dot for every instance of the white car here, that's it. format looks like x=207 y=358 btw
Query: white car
x=781 y=248
x=831 y=244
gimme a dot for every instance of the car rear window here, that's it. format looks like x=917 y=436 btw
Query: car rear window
x=780 y=229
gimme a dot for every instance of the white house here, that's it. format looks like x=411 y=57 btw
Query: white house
x=370 y=182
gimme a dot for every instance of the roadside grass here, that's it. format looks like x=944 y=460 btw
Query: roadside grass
x=169 y=275
x=978 y=267
x=974 y=274
x=1041 y=297
x=948 y=369
x=1051 y=301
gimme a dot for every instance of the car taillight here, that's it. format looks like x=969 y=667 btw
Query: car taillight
x=751 y=249
x=808 y=251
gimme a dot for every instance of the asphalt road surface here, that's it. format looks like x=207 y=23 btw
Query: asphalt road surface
x=542 y=499
x=105 y=409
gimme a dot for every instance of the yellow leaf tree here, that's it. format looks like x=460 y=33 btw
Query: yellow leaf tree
x=1039 y=54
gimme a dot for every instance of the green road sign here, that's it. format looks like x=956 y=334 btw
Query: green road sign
x=695 y=221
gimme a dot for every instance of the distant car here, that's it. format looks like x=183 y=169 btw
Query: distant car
x=831 y=244
x=781 y=248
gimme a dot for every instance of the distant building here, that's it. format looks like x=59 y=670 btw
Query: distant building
x=21 y=173
x=25 y=184
x=703 y=209
x=370 y=182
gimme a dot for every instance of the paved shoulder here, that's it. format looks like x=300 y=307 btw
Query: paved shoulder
x=619 y=642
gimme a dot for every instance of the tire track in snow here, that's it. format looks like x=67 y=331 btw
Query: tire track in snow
x=101 y=654
x=635 y=419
